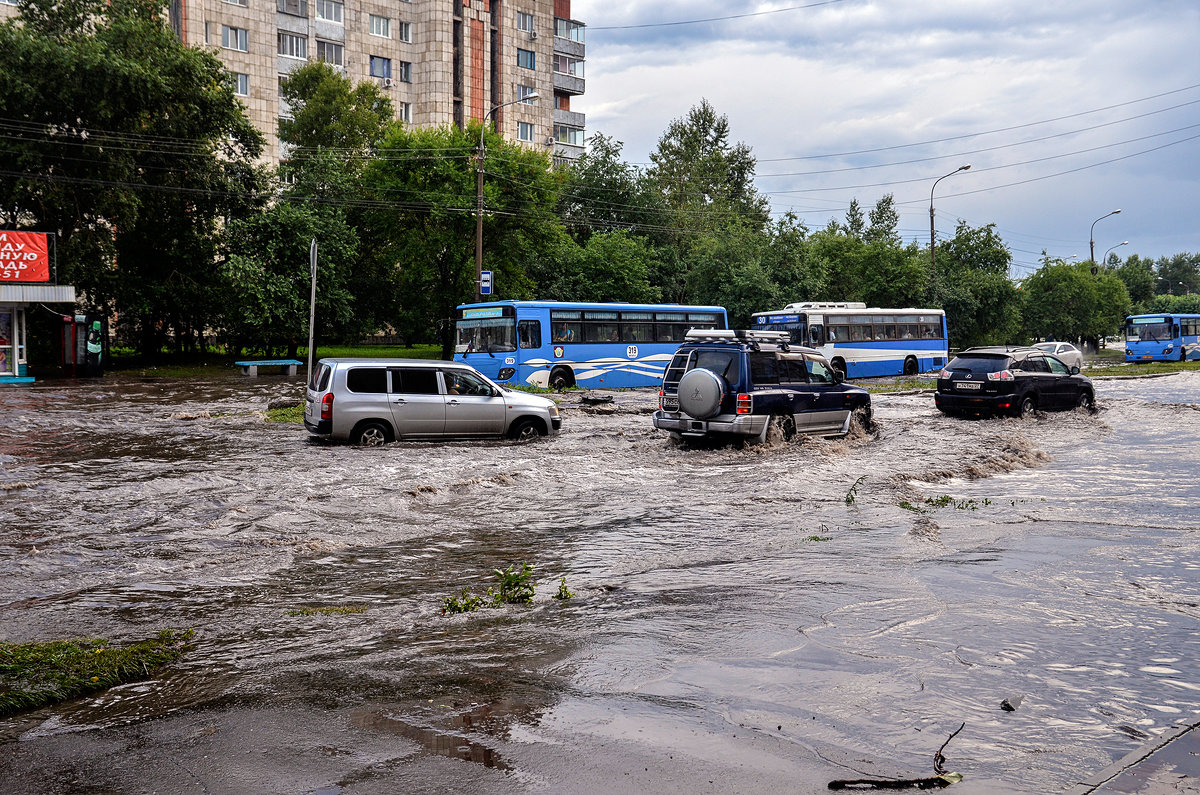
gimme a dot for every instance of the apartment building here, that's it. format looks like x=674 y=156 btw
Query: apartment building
x=439 y=61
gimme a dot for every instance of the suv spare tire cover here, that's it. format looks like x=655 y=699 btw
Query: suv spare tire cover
x=700 y=393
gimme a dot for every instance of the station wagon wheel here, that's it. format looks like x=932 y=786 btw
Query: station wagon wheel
x=525 y=429
x=372 y=434
x=1027 y=407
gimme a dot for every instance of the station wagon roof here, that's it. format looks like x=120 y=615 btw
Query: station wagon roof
x=389 y=362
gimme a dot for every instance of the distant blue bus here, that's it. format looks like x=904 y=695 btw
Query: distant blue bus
x=558 y=344
x=1165 y=337
x=863 y=342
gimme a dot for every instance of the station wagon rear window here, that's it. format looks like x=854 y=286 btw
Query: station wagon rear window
x=366 y=379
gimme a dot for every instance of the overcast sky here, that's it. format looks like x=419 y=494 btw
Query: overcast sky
x=1065 y=110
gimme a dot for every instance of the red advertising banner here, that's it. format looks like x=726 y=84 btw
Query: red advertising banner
x=24 y=257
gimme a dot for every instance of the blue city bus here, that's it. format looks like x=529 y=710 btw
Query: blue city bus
x=1164 y=337
x=862 y=341
x=558 y=344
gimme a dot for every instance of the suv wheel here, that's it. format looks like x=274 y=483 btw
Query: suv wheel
x=372 y=434
x=1085 y=399
x=780 y=428
x=1027 y=406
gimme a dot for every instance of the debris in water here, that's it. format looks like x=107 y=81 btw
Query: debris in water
x=1011 y=704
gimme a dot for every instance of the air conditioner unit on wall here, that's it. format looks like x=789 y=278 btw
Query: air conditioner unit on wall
x=532 y=34
x=387 y=82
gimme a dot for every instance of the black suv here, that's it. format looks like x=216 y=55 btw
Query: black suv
x=1003 y=380
x=751 y=385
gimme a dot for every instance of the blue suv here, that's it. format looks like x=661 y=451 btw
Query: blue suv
x=754 y=385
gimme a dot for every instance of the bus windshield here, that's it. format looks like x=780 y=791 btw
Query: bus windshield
x=486 y=335
x=1141 y=330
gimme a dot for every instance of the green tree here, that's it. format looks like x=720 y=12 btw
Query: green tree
x=329 y=111
x=424 y=224
x=855 y=225
x=982 y=304
x=602 y=193
x=1065 y=301
x=1178 y=275
x=1138 y=276
x=727 y=269
x=788 y=260
x=885 y=222
x=613 y=266
x=126 y=142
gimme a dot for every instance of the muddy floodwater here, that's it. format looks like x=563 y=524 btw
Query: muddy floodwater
x=765 y=619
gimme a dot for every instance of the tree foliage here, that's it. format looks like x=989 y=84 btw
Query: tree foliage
x=1065 y=301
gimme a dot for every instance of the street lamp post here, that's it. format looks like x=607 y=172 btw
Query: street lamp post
x=1092 y=235
x=1122 y=243
x=479 y=193
x=932 y=243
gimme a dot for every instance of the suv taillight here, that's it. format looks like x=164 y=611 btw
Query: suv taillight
x=660 y=397
x=944 y=373
x=327 y=406
x=745 y=404
x=1002 y=375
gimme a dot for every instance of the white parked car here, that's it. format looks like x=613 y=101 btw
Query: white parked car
x=376 y=401
x=1065 y=351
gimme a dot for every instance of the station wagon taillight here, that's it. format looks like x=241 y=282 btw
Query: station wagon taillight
x=1002 y=375
x=745 y=404
x=327 y=406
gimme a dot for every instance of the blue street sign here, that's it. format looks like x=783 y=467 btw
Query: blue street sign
x=485 y=282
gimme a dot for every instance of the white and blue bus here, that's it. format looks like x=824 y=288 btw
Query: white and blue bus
x=558 y=344
x=862 y=341
x=1164 y=337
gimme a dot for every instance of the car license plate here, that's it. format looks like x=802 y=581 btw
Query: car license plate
x=670 y=404
x=967 y=385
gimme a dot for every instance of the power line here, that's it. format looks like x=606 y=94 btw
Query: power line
x=712 y=19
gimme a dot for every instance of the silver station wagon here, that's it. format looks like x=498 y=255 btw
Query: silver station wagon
x=375 y=401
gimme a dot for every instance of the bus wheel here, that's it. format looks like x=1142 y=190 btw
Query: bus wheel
x=561 y=378
x=1182 y=354
x=910 y=365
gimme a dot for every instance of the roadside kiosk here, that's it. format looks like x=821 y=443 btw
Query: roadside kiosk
x=25 y=280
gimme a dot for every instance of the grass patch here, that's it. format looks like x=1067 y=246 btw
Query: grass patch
x=903 y=384
x=1142 y=368
x=339 y=610
x=36 y=675
x=289 y=414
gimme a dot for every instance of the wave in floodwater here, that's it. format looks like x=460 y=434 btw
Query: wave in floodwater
x=825 y=608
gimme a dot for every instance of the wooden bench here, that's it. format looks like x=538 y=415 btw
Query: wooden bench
x=251 y=368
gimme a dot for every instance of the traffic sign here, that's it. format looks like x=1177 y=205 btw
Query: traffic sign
x=485 y=282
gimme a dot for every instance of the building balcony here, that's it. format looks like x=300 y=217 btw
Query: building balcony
x=575 y=49
x=569 y=118
x=568 y=84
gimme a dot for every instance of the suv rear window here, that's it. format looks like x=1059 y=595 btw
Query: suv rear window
x=723 y=363
x=979 y=364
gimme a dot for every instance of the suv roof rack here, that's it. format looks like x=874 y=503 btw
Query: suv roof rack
x=751 y=336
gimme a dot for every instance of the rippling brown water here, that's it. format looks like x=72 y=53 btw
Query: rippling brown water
x=744 y=620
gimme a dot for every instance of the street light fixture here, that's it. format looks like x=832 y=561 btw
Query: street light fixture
x=932 y=262
x=1122 y=243
x=479 y=192
x=1092 y=236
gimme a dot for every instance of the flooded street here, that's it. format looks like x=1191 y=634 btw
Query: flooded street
x=763 y=619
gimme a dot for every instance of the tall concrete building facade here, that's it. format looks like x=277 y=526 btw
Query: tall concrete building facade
x=439 y=61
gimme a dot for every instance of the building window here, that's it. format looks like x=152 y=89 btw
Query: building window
x=241 y=84
x=381 y=26
x=562 y=102
x=404 y=32
x=568 y=66
x=234 y=2
x=9 y=2
x=296 y=7
x=523 y=93
x=566 y=29
x=235 y=38
x=292 y=46
x=526 y=59
x=525 y=22
x=568 y=135
x=404 y=72
x=330 y=52
x=331 y=10
x=404 y=112
x=381 y=67
x=524 y=131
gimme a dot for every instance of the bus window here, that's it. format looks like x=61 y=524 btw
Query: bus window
x=529 y=333
x=860 y=333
